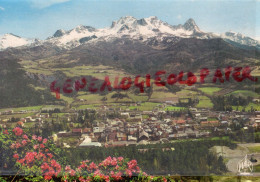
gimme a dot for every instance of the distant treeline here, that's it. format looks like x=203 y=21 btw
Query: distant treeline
x=56 y=110
x=225 y=103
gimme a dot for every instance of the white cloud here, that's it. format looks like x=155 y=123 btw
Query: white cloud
x=179 y=16
x=45 y=3
x=2 y=9
x=257 y=38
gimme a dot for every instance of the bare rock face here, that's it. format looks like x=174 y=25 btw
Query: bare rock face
x=59 y=33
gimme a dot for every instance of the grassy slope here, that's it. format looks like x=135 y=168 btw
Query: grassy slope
x=209 y=90
x=244 y=93
x=204 y=102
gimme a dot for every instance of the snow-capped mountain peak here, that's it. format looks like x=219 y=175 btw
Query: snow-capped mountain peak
x=153 y=20
x=127 y=26
x=126 y=19
x=124 y=23
x=148 y=27
x=71 y=38
x=239 y=38
x=11 y=40
x=81 y=28
x=59 y=33
x=144 y=29
x=191 y=25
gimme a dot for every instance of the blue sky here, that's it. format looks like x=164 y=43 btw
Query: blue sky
x=41 y=18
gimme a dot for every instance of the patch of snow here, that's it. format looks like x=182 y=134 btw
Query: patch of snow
x=10 y=40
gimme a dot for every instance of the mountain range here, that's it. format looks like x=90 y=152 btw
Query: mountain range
x=129 y=46
x=147 y=30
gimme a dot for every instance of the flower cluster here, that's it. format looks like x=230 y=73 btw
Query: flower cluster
x=70 y=171
x=133 y=167
x=50 y=170
x=32 y=153
x=18 y=131
x=112 y=167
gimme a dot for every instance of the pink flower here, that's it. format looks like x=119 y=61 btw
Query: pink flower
x=81 y=179
x=106 y=178
x=12 y=146
x=106 y=162
x=97 y=172
x=120 y=159
x=128 y=172
x=39 y=138
x=47 y=177
x=53 y=163
x=145 y=174
x=132 y=164
x=45 y=166
x=117 y=167
x=117 y=176
x=114 y=161
x=18 y=145
x=35 y=147
x=34 y=137
x=6 y=132
x=40 y=155
x=16 y=156
x=49 y=155
x=93 y=166
x=88 y=179
x=44 y=140
x=72 y=172
x=137 y=169
x=42 y=146
x=67 y=168
x=25 y=137
x=18 y=131
x=30 y=157
x=21 y=161
x=24 y=142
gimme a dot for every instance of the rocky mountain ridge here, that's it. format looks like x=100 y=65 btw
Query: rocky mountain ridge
x=145 y=30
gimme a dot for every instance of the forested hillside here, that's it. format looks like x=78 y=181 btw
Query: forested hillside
x=16 y=89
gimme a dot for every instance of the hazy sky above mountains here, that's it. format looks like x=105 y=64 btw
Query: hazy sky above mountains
x=41 y=18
